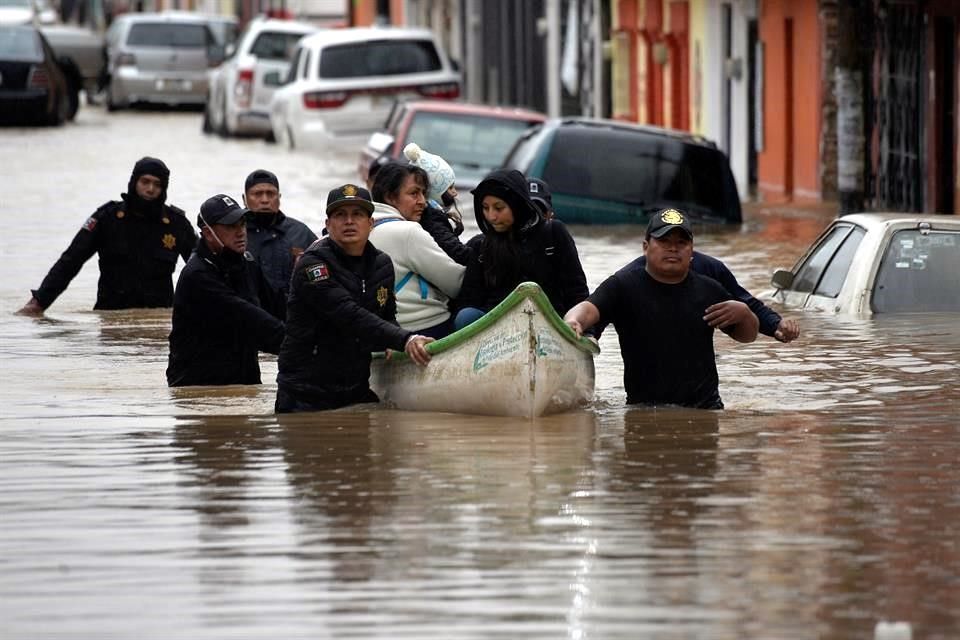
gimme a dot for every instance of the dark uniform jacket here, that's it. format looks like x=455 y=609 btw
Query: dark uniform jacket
x=277 y=247
x=548 y=256
x=340 y=308
x=437 y=224
x=224 y=312
x=138 y=254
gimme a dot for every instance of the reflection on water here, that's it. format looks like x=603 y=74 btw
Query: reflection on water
x=826 y=498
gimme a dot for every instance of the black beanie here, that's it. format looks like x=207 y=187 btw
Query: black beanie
x=261 y=176
x=511 y=187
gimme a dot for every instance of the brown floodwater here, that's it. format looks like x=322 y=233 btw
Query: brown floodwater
x=823 y=500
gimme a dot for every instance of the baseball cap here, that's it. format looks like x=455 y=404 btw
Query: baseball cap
x=349 y=194
x=221 y=209
x=666 y=221
x=540 y=194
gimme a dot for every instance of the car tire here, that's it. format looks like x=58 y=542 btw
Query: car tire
x=223 y=130
x=61 y=111
x=291 y=144
x=111 y=103
x=206 y=127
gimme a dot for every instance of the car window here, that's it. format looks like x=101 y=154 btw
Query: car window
x=305 y=67
x=21 y=45
x=836 y=272
x=638 y=168
x=271 y=45
x=294 y=65
x=808 y=275
x=524 y=151
x=379 y=58
x=165 y=34
x=919 y=273
x=466 y=140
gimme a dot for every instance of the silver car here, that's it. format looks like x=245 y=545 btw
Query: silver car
x=161 y=58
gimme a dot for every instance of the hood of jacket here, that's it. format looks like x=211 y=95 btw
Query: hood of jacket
x=510 y=186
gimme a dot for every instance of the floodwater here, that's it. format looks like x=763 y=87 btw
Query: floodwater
x=824 y=500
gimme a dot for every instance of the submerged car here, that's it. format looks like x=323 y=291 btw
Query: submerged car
x=877 y=263
x=33 y=88
x=610 y=172
x=343 y=82
x=160 y=58
x=242 y=87
x=472 y=138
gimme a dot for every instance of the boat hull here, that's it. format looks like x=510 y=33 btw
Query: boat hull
x=518 y=360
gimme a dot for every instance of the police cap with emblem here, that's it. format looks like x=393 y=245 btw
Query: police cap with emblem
x=221 y=209
x=666 y=221
x=349 y=194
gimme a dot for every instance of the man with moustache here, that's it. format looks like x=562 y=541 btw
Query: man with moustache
x=275 y=239
x=138 y=239
x=341 y=307
x=224 y=310
x=665 y=315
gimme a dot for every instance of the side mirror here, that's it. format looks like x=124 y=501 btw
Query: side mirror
x=782 y=279
x=273 y=79
x=380 y=142
x=216 y=53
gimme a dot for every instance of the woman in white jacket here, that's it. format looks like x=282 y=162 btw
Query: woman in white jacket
x=425 y=277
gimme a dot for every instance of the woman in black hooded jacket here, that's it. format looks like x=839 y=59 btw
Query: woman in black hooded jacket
x=516 y=245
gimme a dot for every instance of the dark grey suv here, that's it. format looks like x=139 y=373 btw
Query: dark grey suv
x=609 y=172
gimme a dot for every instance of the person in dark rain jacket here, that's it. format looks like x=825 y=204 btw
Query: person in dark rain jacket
x=224 y=310
x=340 y=308
x=275 y=239
x=138 y=239
x=516 y=245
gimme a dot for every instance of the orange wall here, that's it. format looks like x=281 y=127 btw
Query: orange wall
x=788 y=165
x=364 y=12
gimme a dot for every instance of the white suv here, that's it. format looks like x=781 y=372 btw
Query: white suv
x=343 y=82
x=240 y=89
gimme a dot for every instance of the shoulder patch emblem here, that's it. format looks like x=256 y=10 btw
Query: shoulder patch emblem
x=317 y=272
x=169 y=241
x=382 y=296
x=90 y=224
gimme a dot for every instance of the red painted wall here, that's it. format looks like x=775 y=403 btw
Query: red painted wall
x=788 y=165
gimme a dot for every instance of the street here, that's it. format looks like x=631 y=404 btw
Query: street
x=825 y=492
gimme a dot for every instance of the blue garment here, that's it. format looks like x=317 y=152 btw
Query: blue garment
x=713 y=268
x=277 y=246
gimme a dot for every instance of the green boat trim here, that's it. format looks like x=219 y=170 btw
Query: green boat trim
x=523 y=291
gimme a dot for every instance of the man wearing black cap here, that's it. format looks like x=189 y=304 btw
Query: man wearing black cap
x=138 y=239
x=224 y=311
x=540 y=194
x=665 y=315
x=275 y=239
x=341 y=307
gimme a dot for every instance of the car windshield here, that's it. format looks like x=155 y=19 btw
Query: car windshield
x=165 y=34
x=919 y=273
x=640 y=169
x=271 y=45
x=466 y=141
x=379 y=58
x=21 y=45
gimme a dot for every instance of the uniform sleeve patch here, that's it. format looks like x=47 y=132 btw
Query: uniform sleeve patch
x=90 y=224
x=317 y=272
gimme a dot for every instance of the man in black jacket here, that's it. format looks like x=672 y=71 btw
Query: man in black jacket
x=340 y=308
x=224 y=311
x=275 y=239
x=138 y=239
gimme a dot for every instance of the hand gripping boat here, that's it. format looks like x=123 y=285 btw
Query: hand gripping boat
x=520 y=359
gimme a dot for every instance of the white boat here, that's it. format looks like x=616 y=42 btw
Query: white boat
x=520 y=359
